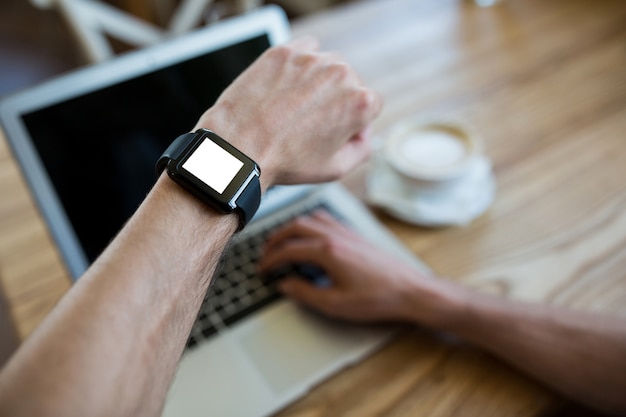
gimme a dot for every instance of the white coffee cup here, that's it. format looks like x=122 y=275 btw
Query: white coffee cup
x=431 y=154
x=431 y=173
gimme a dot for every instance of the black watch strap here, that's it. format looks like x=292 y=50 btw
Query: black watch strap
x=174 y=151
x=247 y=202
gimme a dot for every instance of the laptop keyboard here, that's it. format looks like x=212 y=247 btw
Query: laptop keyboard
x=238 y=291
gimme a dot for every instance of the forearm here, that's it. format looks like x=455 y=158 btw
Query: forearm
x=580 y=355
x=111 y=346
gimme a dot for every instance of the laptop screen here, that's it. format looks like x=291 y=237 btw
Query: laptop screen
x=99 y=149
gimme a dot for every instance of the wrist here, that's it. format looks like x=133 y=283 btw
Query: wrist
x=437 y=303
x=185 y=210
x=246 y=139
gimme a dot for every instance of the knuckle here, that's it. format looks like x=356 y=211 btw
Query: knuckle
x=300 y=222
x=333 y=247
x=306 y=60
x=280 y=53
x=340 y=70
x=363 y=100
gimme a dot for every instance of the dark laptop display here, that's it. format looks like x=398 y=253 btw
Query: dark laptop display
x=99 y=149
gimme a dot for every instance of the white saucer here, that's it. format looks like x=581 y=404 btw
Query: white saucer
x=455 y=204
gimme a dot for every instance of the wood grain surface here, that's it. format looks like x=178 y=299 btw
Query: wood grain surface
x=544 y=84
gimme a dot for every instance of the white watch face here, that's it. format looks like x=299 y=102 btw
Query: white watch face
x=213 y=165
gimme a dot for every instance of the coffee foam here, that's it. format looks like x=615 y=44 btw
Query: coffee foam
x=432 y=151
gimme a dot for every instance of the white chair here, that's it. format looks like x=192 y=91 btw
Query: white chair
x=92 y=20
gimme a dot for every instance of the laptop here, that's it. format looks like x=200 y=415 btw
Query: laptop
x=87 y=143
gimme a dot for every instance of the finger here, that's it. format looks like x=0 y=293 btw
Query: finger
x=351 y=154
x=322 y=215
x=319 y=225
x=306 y=293
x=302 y=227
x=331 y=57
x=305 y=43
x=298 y=251
x=370 y=103
x=332 y=223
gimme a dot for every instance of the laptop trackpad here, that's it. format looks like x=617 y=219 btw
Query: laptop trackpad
x=298 y=345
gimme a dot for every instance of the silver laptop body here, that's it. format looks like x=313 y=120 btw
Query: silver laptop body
x=275 y=356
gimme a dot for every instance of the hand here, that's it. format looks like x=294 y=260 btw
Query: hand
x=367 y=284
x=300 y=114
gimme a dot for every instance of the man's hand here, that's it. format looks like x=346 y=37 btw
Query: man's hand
x=300 y=114
x=367 y=283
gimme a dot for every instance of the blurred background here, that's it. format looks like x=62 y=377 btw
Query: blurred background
x=36 y=43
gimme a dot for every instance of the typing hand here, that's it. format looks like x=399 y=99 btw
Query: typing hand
x=366 y=283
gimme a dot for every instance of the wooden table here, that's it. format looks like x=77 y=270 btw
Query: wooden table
x=544 y=83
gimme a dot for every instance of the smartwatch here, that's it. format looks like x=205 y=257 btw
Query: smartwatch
x=215 y=172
